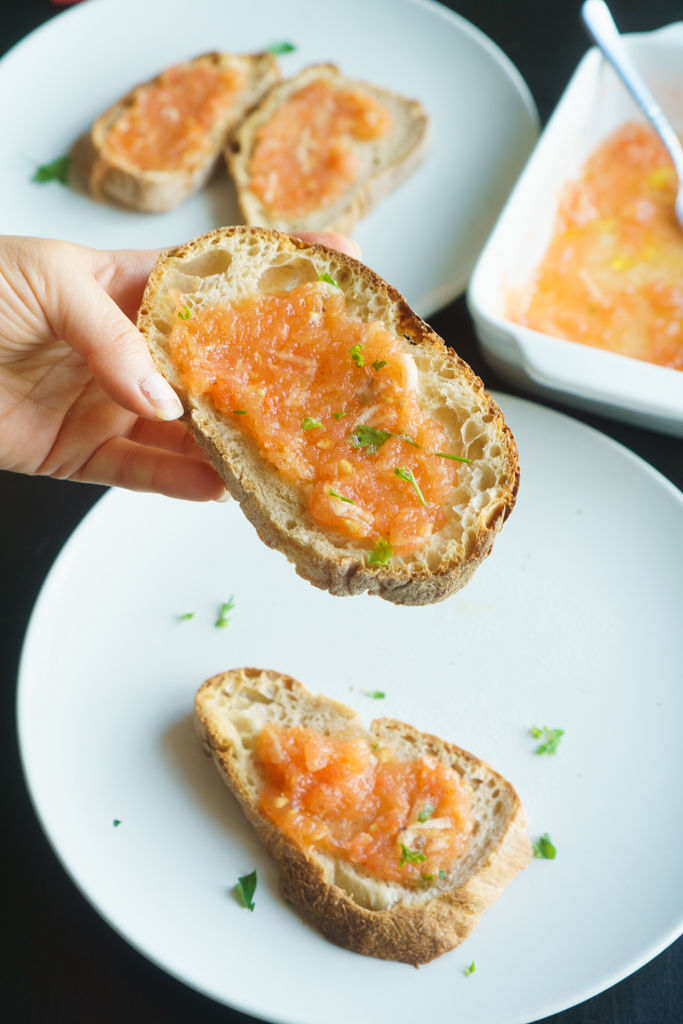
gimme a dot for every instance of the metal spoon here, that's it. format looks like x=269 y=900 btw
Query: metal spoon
x=600 y=24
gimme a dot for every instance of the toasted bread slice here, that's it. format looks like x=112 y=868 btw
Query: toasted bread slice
x=387 y=919
x=233 y=264
x=181 y=146
x=382 y=163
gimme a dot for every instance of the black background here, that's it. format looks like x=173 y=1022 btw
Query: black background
x=61 y=963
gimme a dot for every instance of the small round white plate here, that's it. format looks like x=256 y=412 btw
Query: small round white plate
x=573 y=622
x=424 y=238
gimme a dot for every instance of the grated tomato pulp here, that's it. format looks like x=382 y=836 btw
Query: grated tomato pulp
x=403 y=821
x=303 y=158
x=332 y=403
x=168 y=124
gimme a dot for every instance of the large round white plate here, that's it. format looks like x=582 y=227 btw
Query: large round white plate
x=573 y=622
x=424 y=238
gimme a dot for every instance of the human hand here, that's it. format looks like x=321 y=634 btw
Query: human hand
x=80 y=398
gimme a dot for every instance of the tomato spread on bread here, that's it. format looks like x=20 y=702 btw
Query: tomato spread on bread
x=611 y=277
x=167 y=125
x=333 y=404
x=304 y=158
x=402 y=821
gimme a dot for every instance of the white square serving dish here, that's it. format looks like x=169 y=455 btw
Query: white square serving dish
x=594 y=104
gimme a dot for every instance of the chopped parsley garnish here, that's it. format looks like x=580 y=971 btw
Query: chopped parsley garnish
x=308 y=423
x=184 y=313
x=381 y=553
x=116 y=822
x=426 y=879
x=456 y=458
x=56 y=170
x=327 y=279
x=470 y=969
x=186 y=617
x=333 y=494
x=375 y=694
x=407 y=474
x=280 y=48
x=409 y=440
x=378 y=364
x=544 y=848
x=426 y=812
x=226 y=607
x=370 y=438
x=239 y=412
x=245 y=889
x=410 y=856
x=338 y=415
x=357 y=355
x=442 y=873
x=551 y=739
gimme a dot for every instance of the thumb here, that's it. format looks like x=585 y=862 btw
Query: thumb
x=115 y=351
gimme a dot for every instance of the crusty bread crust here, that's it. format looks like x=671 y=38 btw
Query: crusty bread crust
x=110 y=176
x=350 y=907
x=234 y=263
x=384 y=163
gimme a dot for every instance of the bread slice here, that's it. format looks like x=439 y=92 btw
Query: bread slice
x=235 y=263
x=116 y=176
x=393 y=921
x=383 y=163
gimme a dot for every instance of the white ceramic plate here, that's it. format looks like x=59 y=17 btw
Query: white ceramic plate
x=573 y=622
x=593 y=105
x=424 y=238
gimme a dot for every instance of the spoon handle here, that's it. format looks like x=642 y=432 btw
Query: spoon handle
x=600 y=24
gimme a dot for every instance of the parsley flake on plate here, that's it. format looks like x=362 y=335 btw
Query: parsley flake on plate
x=543 y=848
x=279 y=48
x=186 y=616
x=226 y=607
x=551 y=739
x=116 y=822
x=470 y=969
x=375 y=694
x=56 y=170
x=245 y=889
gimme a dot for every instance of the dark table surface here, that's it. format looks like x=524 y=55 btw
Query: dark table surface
x=62 y=963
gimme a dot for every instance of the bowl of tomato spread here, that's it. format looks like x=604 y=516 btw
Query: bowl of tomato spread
x=578 y=293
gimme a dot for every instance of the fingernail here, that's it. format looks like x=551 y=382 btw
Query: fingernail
x=225 y=496
x=162 y=397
